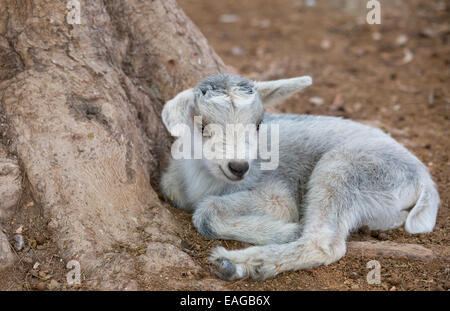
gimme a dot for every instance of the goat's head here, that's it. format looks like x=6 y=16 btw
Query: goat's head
x=218 y=120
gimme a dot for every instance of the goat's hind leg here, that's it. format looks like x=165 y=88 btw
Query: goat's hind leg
x=265 y=215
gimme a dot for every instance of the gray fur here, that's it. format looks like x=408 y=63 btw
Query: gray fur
x=334 y=176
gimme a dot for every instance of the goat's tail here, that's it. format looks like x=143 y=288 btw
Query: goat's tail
x=422 y=216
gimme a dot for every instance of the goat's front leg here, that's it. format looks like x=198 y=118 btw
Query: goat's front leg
x=263 y=216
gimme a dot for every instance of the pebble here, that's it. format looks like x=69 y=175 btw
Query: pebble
x=401 y=40
x=376 y=36
x=316 y=101
x=431 y=98
x=261 y=23
x=41 y=286
x=229 y=18
x=237 y=50
x=325 y=44
x=18 y=242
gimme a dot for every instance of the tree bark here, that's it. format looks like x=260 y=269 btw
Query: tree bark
x=80 y=107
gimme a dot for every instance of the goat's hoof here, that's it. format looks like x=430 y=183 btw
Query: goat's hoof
x=225 y=269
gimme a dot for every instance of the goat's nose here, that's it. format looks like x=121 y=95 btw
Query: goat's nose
x=238 y=168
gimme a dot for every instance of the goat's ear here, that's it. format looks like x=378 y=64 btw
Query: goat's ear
x=272 y=92
x=178 y=111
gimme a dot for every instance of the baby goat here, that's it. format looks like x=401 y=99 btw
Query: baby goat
x=333 y=176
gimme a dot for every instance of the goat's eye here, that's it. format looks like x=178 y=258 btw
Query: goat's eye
x=247 y=90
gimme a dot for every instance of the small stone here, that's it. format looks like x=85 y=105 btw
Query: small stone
x=357 y=107
x=237 y=50
x=229 y=18
x=325 y=45
x=316 y=101
x=41 y=286
x=401 y=40
x=18 y=242
x=264 y=23
x=376 y=36
x=431 y=98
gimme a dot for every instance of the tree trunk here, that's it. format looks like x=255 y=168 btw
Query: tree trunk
x=80 y=113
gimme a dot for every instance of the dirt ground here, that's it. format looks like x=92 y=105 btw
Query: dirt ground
x=394 y=76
